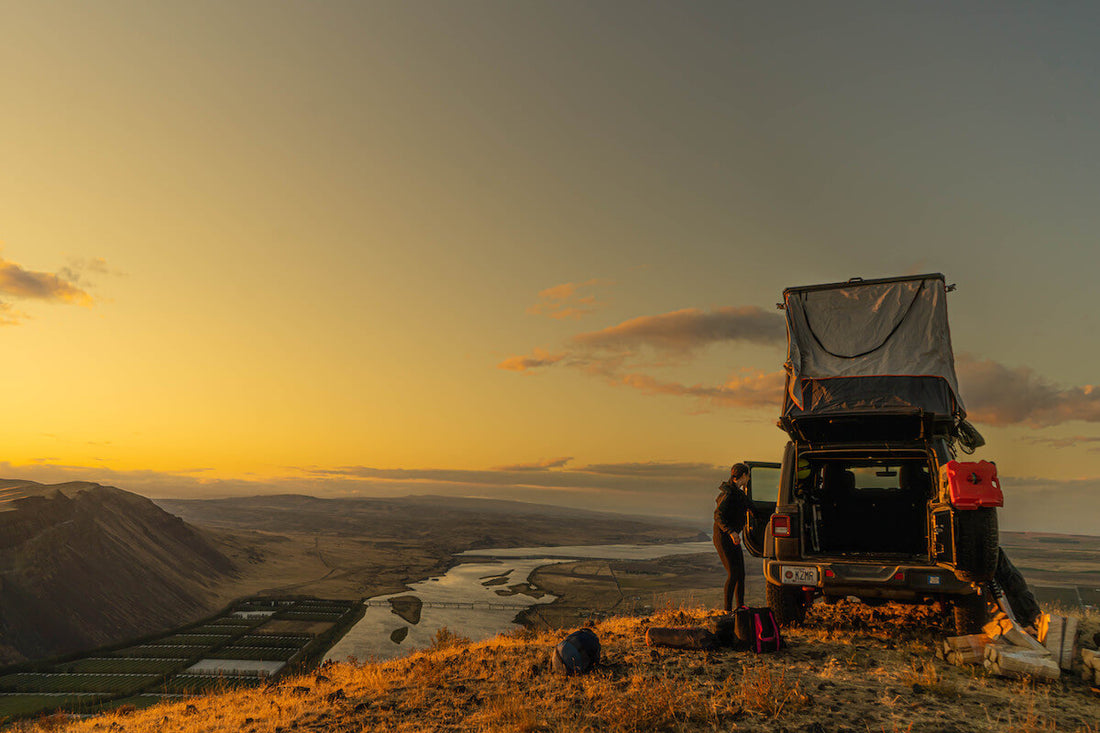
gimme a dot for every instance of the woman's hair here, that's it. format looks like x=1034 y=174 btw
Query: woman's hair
x=738 y=470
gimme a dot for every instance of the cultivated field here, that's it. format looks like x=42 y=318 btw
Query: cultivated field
x=249 y=644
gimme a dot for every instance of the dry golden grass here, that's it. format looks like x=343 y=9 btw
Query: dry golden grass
x=875 y=674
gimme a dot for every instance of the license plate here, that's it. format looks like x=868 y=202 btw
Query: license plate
x=798 y=575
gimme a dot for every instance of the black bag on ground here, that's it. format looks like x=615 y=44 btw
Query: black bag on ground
x=757 y=629
x=577 y=653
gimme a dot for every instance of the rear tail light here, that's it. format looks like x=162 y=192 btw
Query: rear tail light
x=781 y=525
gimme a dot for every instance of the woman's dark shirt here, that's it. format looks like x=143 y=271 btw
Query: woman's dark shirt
x=731 y=508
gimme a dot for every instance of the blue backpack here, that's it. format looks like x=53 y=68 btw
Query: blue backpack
x=577 y=653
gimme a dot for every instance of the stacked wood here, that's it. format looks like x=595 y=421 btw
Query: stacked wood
x=1014 y=661
x=1060 y=639
x=1004 y=628
x=1090 y=666
x=960 y=650
x=1015 y=653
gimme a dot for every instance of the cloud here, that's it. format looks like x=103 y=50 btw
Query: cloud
x=1039 y=504
x=78 y=269
x=663 y=489
x=1065 y=442
x=999 y=395
x=15 y=281
x=613 y=353
x=10 y=316
x=683 y=490
x=684 y=331
x=655 y=469
x=564 y=301
x=538 y=358
x=543 y=465
x=759 y=389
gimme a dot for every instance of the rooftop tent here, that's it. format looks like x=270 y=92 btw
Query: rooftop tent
x=870 y=345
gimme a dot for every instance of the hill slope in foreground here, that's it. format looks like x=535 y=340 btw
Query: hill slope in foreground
x=850 y=669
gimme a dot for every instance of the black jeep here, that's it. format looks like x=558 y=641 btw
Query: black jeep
x=870 y=500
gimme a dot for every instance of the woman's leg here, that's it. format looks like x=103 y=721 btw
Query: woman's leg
x=730 y=555
x=737 y=575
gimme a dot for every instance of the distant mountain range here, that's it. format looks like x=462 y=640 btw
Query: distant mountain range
x=82 y=565
x=443 y=524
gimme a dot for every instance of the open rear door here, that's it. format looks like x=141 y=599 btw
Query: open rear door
x=764 y=492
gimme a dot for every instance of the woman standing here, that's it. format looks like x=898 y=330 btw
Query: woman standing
x=729 y=519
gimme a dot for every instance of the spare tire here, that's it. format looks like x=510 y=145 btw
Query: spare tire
x=787 y=602
x=976 y=544
x=970 y=614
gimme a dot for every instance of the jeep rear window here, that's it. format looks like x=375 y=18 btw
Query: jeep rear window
x=874 y=476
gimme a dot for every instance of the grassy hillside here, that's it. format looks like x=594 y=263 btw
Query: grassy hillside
x=850 y=669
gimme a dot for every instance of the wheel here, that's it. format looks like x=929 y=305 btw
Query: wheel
x=787 y=602
x=971 y=614
x=976 y=544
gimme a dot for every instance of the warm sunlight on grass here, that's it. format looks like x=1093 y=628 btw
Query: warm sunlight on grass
x=850 y=665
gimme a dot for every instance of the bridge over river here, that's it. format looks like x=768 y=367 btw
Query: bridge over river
x=476 y=605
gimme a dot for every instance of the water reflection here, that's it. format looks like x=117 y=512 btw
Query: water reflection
x=383 y=634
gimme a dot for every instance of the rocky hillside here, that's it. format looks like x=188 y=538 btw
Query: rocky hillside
x=850 y=669
x=82 y=565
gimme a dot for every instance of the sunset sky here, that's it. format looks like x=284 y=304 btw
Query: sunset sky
x=528 y=250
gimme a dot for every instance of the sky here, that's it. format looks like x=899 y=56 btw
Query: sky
x=528 y=250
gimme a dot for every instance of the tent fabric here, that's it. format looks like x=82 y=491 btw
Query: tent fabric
x=892 y=328
x=865 y=394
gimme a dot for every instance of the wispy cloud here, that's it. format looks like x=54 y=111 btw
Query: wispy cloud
x=1071 y=441
x=629 y=488
x=543 y=465
x=80 y=269
x=537 y=358
x=671 y=489
x=684 y=331
x=21 y=283
x=996 y=394
x=17 y=282
x=758 y=389
x=569 y=300
x=619 y=353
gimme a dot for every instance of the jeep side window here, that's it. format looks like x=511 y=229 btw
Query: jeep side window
x=764 y=492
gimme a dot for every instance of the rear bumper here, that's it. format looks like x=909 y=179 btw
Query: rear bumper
x=897 y=582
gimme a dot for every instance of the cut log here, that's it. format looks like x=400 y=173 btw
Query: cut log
x=1069 y=643
x=1052 y=640
x=1005 y=628
x=1016 y=662
x=692 y=637
x=969 y=649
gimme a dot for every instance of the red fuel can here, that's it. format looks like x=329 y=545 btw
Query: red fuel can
x=971 y=485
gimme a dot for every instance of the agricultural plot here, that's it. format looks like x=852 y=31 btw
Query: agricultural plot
x=200 y=684
x=245 y=646
x=266 y=653
x=63 y=682
x=162 y=651
x=125 y=665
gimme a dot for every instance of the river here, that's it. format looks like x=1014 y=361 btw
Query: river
x=493 y=584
